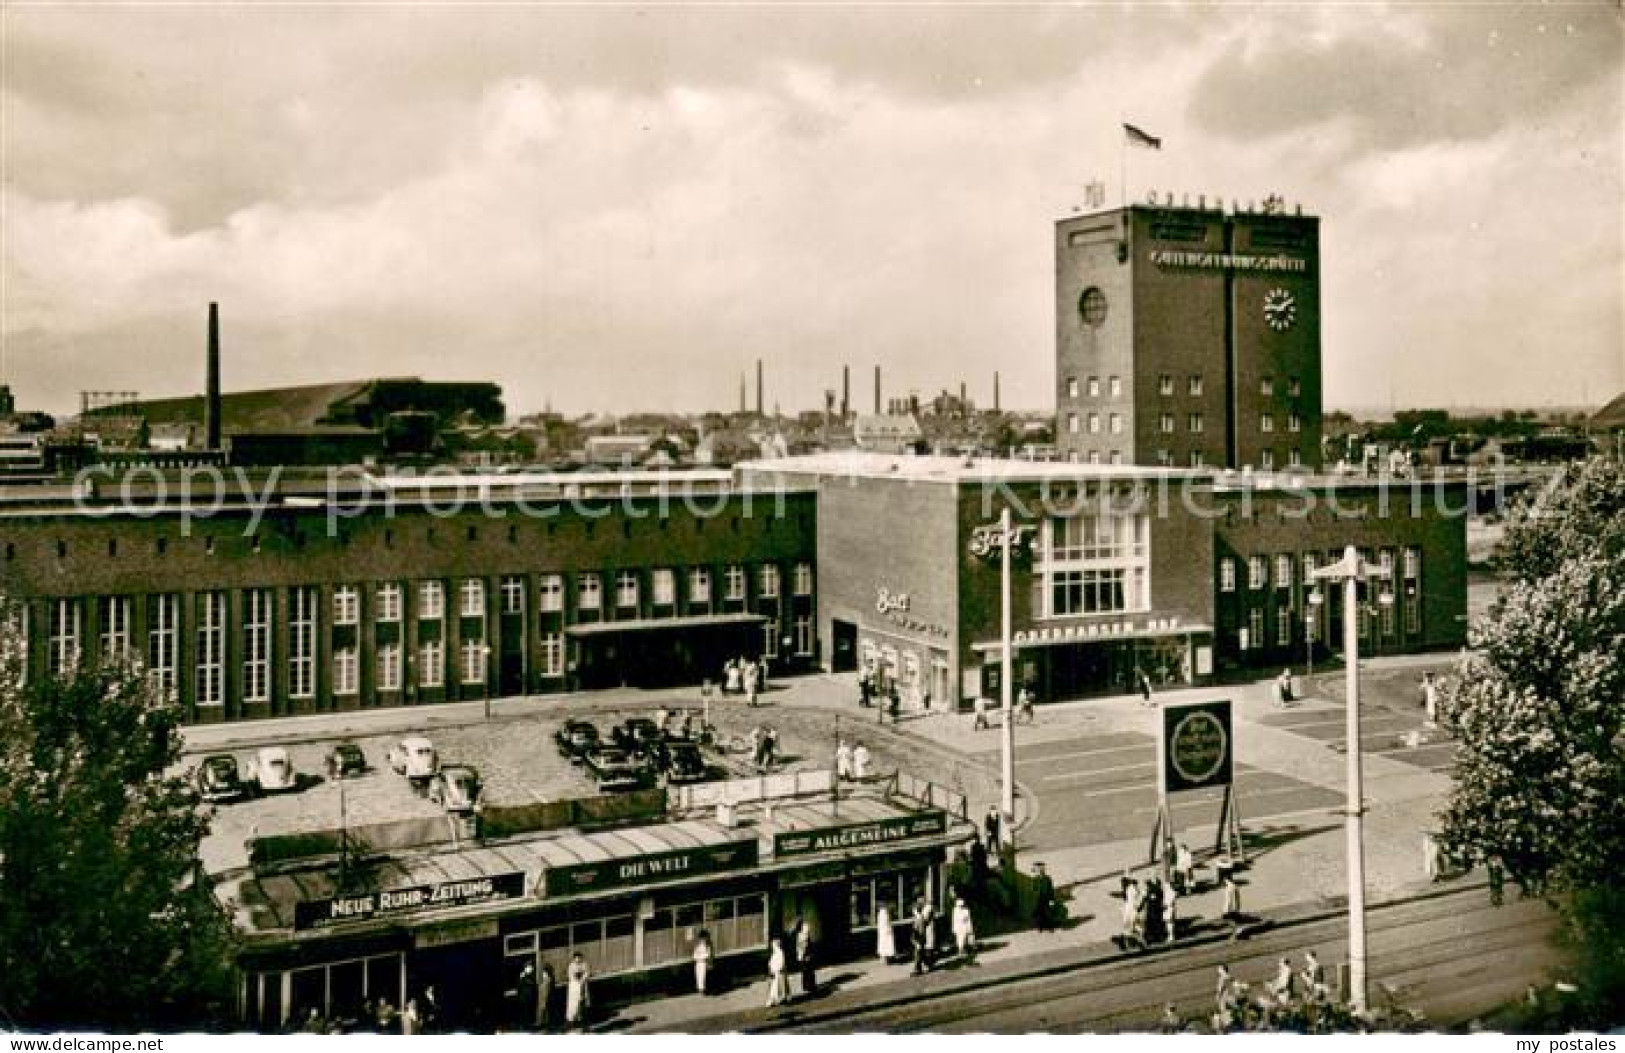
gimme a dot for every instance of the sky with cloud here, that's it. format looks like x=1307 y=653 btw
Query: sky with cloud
x=605 y=209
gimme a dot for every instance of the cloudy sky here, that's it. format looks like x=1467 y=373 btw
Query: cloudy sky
x=623 y=208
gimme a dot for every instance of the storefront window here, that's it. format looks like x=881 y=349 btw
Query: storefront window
x=338 y=989
x=1097 y=562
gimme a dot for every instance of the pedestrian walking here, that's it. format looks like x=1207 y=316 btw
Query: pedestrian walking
x=1131 y=912
x=1314 y=974
x=411 y=1019
x=885 y=935
x=978 y=868
x=964 y=931
x=731 y=683
x=804 y=959
x=703 y=957
x=777 y=992
x=1232 y=899
x=1153 y=932
x=1043 y=899
x=431 y=1013
x=1170 y=913
x=1222 y=985
x=918 y=928
x=1281 y=987
x=1145 y=686
x=860 y=762
x=577 y=992
x=843 y=761
x=1024 y=706
x=1430 y=697
x=546 y=983
x=981 y=715
x=1287 y=694
x=1184 y=868
x=991 y=829
x=866 y=688
x=525 y=989
x=894 y=704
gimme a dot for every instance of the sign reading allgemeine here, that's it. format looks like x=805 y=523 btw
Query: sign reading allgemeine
x=1196 y=746
x=321 y=913
x=855 y=835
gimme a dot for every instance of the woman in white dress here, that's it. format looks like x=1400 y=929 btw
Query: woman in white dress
x=576 y=997
x=885 y=935
x=964 y=930
x=777 y=982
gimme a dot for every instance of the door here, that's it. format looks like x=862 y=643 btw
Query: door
x=844 y=638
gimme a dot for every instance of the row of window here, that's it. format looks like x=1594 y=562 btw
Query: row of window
x=1252 y=636
x=1195 y=424
x=1165 y=386
x=1259 y=577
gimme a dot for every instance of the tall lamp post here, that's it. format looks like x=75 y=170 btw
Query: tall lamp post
x=1350 y=570
x=1311 y=623
x=983 y=539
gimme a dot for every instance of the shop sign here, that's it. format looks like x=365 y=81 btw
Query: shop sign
x=1196 y=746
x=461 y=932
x=656 y=868
x=321 y=913
x=895 y=607
x=859 y=835
x=1097 y=630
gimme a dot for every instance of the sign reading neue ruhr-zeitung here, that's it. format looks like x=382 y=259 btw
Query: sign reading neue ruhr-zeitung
x=651 y=869
x=320 y=913
x=857 y=835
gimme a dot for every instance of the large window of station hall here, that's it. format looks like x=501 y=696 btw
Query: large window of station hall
x=1093 y=561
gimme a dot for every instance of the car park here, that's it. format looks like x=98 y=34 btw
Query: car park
x=218 y=779
x=684 y=763
x=415 y=758
x=345 y=760
x=613 y=768
x=575 y=737
x=273 y=771
x=455 y=787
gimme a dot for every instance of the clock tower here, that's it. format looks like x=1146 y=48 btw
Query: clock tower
x=1189 y=337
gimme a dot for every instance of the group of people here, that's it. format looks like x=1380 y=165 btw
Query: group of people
x=1150 y=911
x=885 y=698
x=925 y=945
x=851 y=761
x=799 y=943
x=744 y=676
x=422 y=1014
x=1293 y=1000
x=1282 y=691
x=533 y=995
x=1023 y=711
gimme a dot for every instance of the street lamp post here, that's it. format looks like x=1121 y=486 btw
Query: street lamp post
x=983 y=539
x=1349 y=570
x=1311 y=622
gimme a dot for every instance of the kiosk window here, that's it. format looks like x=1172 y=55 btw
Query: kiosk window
x=338 y=989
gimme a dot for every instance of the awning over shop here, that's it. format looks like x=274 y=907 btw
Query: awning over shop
x=698 y=621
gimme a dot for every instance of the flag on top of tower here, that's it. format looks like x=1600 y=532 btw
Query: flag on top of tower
x=1139 y=138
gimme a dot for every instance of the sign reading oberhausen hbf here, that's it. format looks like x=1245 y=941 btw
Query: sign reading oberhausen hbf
x=878 y=832
x=1196 y=746
x=318 y=914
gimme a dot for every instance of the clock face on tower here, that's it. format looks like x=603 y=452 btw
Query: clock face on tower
x=1280 y=309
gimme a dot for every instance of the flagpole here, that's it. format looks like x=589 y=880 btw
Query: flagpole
x=1122 y=164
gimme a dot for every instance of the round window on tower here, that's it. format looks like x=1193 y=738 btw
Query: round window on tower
x=1092 y=305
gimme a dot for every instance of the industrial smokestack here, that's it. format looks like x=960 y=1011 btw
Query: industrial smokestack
x=961 y=394
x=741 y=393
x=877 y=391
x=995 y=391
x=211 y=392
x=758 y=387
x=846 y=391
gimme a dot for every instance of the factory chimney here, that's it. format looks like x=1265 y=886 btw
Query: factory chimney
x=211 y=392
x=877 y=391
x=995 y=391
x=758 y=387
x=741 y=393
x=846 y=391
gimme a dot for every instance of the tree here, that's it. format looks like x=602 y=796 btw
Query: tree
x=1540 y=765
x=108 y=922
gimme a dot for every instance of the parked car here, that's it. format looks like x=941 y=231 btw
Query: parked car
x=219 y=780
x=345 y=760
x=613 y=768
x=273 y=771
x=575 y=738
x=683 y=762
x=455 y=787
x=415 y=758
x=639 y=734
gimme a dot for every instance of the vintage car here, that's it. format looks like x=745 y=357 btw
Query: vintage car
x=638 y=734
x=575 y=738
x=345 y=760
x=273 y=771
x=683 y=762
x=219 y=780
x=613 y=768
x=415 y=758
x=455 y=787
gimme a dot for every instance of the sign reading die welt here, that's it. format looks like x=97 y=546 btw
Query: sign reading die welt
x=320 y=913
x=1196 y=746
x=651 y=869
x=855 y=835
